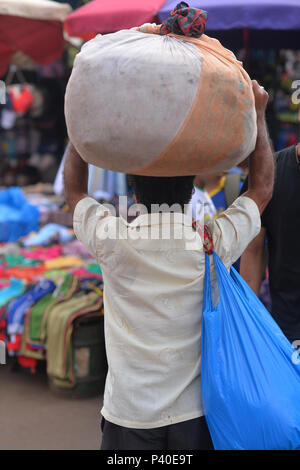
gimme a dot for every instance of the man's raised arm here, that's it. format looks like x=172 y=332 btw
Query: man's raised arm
x=75 y=178
x=261 y=163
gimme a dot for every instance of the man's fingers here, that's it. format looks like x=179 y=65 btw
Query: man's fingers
x=257 y=88
x=261 y=97
x=255 y=85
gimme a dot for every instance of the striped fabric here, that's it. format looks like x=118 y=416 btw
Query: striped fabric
x=185 y=21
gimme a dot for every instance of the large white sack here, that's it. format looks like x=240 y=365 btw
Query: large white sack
x=159 y=105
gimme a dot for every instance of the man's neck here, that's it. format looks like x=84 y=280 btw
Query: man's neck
x=211 y=185
x=199 y=182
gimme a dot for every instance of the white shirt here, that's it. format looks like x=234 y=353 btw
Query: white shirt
x=203 y=208
x=153 y=292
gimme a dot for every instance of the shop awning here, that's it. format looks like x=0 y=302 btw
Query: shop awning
x=239 y=14
x=269 y=23
x=101 y=16
x=33 y=27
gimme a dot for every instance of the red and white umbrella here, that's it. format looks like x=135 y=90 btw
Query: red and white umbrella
x=272 y=23
x=34 y=27
x=100 y=16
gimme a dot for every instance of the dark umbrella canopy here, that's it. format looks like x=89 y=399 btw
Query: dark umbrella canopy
x=271 y=23
x=253 y=14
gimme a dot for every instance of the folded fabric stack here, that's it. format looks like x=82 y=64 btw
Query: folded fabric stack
x=59 y=334
x=44 y=289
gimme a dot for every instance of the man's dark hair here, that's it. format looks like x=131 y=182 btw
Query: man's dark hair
x=162 y=190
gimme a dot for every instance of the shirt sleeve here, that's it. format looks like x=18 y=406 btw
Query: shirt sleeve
x=91 y=222
x=234 y=229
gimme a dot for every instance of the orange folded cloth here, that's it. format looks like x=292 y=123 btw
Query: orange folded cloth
x=63 y=262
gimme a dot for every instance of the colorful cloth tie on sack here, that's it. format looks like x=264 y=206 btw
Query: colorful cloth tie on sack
x=185 y=21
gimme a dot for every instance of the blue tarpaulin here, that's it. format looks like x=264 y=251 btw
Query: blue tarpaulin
x=17 y=217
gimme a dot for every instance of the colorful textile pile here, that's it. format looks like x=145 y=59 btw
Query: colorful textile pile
x=44 y=289
x=49 y=234
x=60 y=328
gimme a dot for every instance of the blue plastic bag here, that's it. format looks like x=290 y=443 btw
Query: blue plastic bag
x=250 y=379
x=17 y=217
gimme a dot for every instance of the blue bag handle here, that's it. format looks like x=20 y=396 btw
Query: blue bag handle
x=208 y=248
x=222 y=276
x=221 y=271
x=207 y=298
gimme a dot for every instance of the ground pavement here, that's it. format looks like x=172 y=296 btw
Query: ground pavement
x=32 y=417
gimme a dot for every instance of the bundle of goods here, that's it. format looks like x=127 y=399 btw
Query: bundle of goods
x=161 y=100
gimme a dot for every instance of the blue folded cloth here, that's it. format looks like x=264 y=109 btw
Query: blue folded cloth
x=15 y=289
x=19 y=307
x=46 y=235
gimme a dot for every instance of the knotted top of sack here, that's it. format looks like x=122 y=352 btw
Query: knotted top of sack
x=185 y=21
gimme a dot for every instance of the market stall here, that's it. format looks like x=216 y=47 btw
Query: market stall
x=51 y=296
x=34 y=71
x=32 y=27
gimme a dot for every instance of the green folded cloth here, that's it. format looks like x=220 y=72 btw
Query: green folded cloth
x=36 y=315
x=63 y=292
x=42 y=309
x=20 y=260
x=59 y=334
x=94 y=268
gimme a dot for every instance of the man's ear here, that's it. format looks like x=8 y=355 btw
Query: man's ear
x=298 y=149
